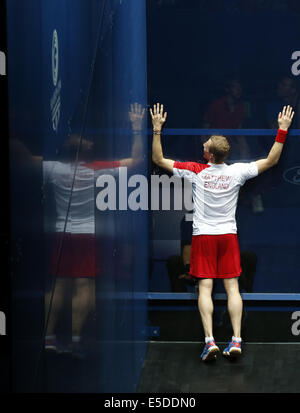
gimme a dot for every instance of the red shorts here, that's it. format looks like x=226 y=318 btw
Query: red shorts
x=73 y=255
x=215 y=256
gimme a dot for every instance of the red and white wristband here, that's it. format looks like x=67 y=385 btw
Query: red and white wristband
x=281 y=136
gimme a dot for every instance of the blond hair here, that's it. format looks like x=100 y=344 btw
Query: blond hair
x=219 y=147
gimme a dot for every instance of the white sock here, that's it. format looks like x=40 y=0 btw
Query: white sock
x=76 y=339
x=238 y=339
x=207 y=339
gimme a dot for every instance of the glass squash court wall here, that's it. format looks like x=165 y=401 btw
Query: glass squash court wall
x=77 y=90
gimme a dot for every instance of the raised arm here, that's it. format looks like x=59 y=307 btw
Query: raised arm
x=158 y=119
x=136 y=116
x=284 y=121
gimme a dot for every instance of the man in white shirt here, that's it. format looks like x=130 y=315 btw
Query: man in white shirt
x=215 y=250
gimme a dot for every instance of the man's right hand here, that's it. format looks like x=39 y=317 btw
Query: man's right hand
x=285 y=117
x=158 y=117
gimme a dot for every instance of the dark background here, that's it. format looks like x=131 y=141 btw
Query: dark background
x=194 y=48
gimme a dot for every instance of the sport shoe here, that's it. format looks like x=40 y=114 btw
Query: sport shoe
x=50 y=344
x=210 y=351
x=234 y=349
x=55 y=346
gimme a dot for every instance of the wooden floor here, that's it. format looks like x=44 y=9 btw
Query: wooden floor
x=175 y=367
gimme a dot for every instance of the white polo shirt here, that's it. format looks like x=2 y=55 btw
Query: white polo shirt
x=77 y=216
x=215 y=193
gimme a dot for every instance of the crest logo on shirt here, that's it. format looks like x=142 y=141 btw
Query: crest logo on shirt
x=292 y=175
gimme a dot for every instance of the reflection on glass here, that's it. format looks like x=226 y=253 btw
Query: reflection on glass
x=227 y=111
x=76 y=254
x=286 y=93
x=178 y=265
x=72 y=263
x=230 y=111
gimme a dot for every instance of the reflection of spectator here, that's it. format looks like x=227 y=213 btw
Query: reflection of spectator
x=179 y=265
x=230 y=112
x=248 y=265
x=286 y=94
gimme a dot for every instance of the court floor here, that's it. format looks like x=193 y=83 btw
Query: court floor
x=176 y=367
